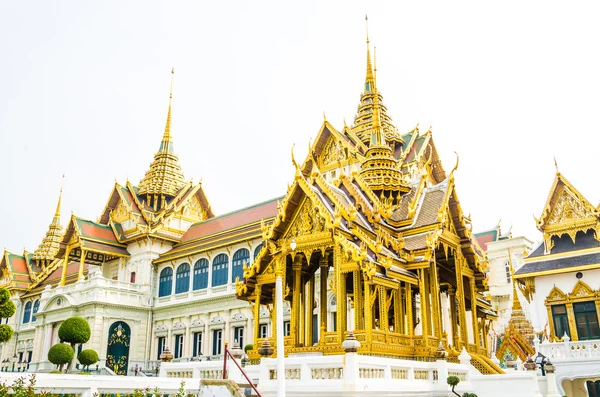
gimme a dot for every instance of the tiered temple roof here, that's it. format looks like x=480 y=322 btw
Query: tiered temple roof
x=385 y=217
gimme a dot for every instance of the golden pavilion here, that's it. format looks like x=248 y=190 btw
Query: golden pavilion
x=373 y=213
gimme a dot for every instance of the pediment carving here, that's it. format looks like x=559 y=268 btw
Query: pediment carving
x=569 y=208
x=308 y=221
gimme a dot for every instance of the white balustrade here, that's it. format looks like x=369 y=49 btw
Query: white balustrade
x=569 y=350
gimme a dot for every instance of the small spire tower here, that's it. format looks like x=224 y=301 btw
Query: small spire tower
x=164 y=179
x=50 y=245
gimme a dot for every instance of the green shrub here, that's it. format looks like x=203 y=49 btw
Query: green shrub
x=453 y=380
x=4 y=296
x=74 y=330
x=87 y=357
x=61 y=354
x=6 y=332
x=7 y=309
x=469 y=395
x=56 y=371
x=83 y=373
x=249 y=346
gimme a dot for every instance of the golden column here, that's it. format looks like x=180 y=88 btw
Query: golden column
x=81 y=263
x=453 y=317
x=424 y=299
x=274 y=317
x=435 y=300
x=63 y=278
x=257 y=291
x=383 y=312
x=310 y=306
x=368 y=309
x=462 y=309
x=358 y=301
x=397 y=296
x=572 y=323
x=410 y=327
x=474 y=311
x=295 y=320
x=324 y=266
x=341 y=298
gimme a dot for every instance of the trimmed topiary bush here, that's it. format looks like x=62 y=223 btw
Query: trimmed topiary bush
x=453 y=381
x=87 y=357
x=249 y=346
x=74 y=330
x=6 y=332
x=61 y=354
x=7 y=309
x=4 y=296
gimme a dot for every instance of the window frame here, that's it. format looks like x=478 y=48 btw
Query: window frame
x=182 y=278
x=27 y=312
x=165 y=282
x=201 y=270
x=220 y=270
x=237 y=263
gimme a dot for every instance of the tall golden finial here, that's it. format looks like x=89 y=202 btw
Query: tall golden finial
x=370 y=80
x=57 y=213
x=555 y=164
x=166 y=144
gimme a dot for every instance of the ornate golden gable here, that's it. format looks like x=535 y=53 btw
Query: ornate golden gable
x=566 y=211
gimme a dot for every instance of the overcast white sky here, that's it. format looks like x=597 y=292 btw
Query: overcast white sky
x=84 y=91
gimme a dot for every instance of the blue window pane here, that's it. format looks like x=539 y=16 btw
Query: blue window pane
x=182 y=278
x=201 y=274
x=165 y=286
x=239 y=258
x=257 y=250
x=36 y=307
x=219 y=270
x=27 y=314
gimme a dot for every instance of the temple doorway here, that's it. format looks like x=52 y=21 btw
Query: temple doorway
x=117 y=352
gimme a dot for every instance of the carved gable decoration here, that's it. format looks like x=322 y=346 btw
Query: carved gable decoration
x=193 y=209
x=569 y=208
x=121 y=212
x=582 y=290
x=307 y=221
x=332 y=153
x=556 y=295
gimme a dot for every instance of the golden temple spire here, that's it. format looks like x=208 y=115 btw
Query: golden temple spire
x=164 y=179
x=167 y=141
x=363 y=121
x=50 y=245
x=370 y=79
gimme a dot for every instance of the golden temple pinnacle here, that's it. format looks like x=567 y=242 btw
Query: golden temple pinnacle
x=164 y=179
x=363 y=121
x=51 y=243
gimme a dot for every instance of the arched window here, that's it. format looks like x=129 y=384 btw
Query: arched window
x=182 y=278
x=27 y=313
x=201 y=274
x=257 y=250
x=237 y=264
x=219 y=270
x=165 y=286
x=36 y=307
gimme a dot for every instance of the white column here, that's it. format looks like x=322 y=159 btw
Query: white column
x=280 y=347
x=206 y=339
x=249 y=335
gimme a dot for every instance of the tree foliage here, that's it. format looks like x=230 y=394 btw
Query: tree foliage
x=7 y=309
x=4 y=296
x=88 y=357
x=6 y=332
x=61 y=354
x=74 y=330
